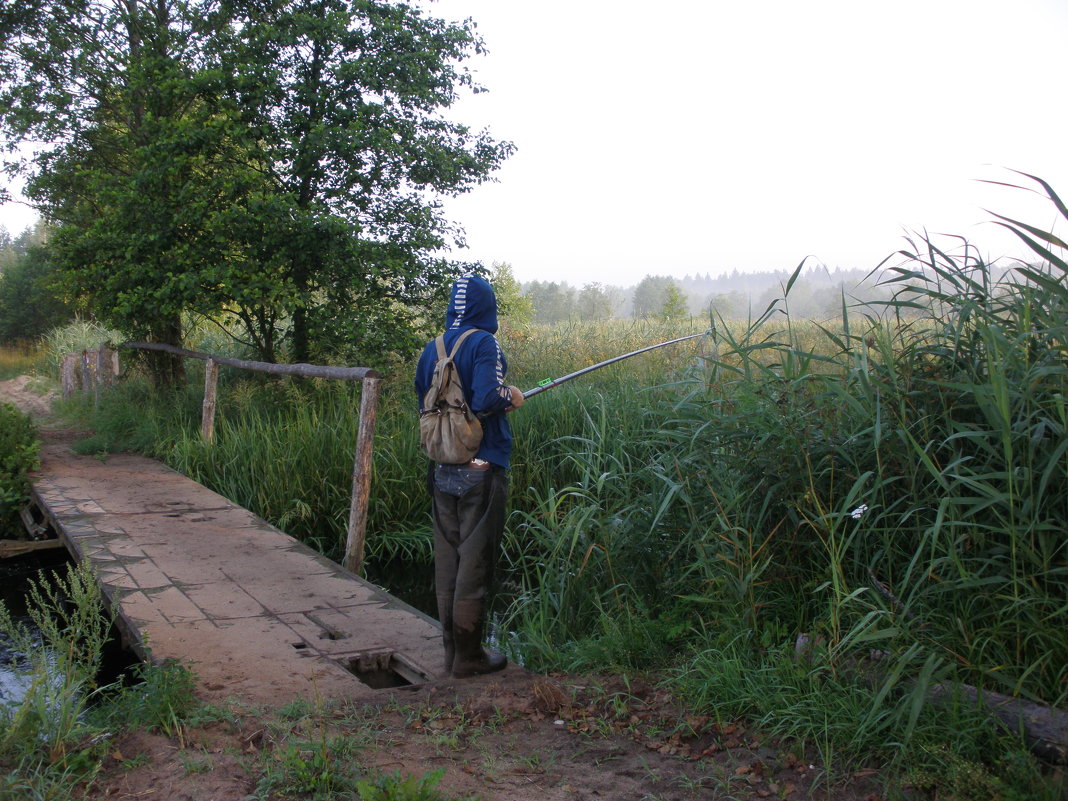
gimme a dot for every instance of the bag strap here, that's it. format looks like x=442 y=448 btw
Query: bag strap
x=456 y=345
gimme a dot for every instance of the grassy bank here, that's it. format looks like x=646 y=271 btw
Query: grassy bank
x=63 y=734
x=15 y=362
x=55 y=736
x=18 y=456
x=807 y=526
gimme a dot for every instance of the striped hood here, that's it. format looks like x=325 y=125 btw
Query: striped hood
x=472 y=305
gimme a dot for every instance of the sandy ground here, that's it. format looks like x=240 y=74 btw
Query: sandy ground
x=15 y=391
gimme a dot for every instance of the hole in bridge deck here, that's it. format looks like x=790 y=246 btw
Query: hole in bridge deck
x=383 y=670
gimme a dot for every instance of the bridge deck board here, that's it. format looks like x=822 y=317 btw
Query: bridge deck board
x=194 y=577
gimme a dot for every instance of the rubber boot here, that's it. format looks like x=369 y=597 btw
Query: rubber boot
x=450 y=650
x=448 y=639
x=471 y=658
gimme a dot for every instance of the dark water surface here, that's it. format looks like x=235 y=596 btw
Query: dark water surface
x=16 y=576
x=413 y=583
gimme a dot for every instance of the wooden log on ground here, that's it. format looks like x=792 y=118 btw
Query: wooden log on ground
x=1044 y=729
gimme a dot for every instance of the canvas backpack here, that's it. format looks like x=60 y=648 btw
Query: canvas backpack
x=449 y=432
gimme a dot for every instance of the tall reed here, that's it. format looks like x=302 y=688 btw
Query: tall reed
x=809 y=519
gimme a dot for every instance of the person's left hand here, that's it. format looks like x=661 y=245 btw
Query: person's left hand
x=517 y=399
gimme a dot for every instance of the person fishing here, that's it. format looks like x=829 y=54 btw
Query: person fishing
x=469 y=497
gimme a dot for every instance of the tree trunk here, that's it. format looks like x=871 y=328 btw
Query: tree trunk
x=166 y=369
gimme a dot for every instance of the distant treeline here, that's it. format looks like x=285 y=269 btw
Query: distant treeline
x=817 y=293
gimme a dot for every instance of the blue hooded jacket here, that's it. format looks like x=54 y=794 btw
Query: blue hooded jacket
x=480 y=363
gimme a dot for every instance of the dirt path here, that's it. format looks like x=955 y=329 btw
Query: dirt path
x=15 y=391
x=525 y=738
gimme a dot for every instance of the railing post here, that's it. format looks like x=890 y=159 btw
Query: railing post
x=68 y=374
x=361 y=476
x=107 y=365
x=86 y=378
x=100 y=378
x=207 y=416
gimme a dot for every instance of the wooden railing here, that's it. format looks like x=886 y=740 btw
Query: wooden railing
x=93 y=369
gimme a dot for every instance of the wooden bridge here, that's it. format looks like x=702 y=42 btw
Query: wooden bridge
x=194 y=577
x=191 y=576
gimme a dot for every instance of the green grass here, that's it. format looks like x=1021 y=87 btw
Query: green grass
x=15 y=362
x=890 y=483
x=18 y=458
x=56 y=737
x=73 y=338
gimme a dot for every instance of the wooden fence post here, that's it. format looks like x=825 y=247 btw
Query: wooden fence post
x=100 y=376
x=107 y=365
x=86 y=377
x=361 y=476
x=207 y=416
x=68 y=374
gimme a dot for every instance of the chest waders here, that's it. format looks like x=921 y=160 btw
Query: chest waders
x=467 y=533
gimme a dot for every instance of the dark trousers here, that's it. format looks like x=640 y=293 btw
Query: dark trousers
x=467 y=538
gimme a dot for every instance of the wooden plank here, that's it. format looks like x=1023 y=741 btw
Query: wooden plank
x=191 y=576
x=9 y=548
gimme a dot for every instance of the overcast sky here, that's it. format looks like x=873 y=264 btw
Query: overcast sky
x=706 y=135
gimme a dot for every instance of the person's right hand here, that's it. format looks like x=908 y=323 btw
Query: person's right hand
x=517 y=399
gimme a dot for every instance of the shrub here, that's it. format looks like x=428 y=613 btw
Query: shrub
x=18 y=456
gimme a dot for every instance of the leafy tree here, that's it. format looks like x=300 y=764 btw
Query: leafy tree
x=674 y=306
x=553 y=302
x=342 y=100
x=278 y=161
x=31 y=299
x=650 y=296
x=729 y=305
x=512 y=304
x=8 y=256
x=120 y=94
x=597 y=301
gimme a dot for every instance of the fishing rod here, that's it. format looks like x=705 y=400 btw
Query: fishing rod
x=549 y=383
